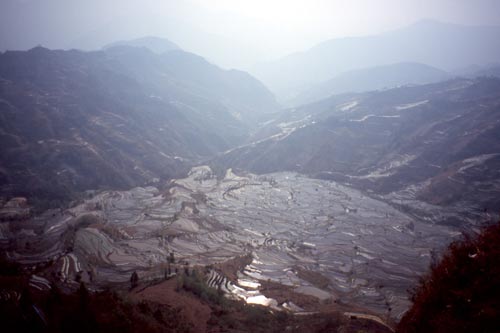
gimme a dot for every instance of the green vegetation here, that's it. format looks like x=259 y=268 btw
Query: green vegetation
x=194 y=283
x=236 y=316
x=462 y=292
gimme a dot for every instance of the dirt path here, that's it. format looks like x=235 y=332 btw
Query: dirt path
x=368 y=317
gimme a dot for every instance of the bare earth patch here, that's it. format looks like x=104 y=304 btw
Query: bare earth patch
x=195 y=311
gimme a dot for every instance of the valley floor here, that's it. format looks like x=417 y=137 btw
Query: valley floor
x=305 y=243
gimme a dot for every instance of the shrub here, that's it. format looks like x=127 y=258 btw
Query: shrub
x=462 y=291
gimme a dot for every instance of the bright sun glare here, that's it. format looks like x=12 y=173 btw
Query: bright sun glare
x=290 y=13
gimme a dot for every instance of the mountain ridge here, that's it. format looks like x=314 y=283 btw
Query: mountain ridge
x=372 y=78
x=155 y=44
x=441 y=45
x=437 y=140
x=111 y=119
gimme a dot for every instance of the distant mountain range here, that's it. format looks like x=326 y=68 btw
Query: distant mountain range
x=439 y=141
x=143 y=110
x=373 y=78
x=440 y=45
x=386 y=77
x=71 y=121
x=492 y=70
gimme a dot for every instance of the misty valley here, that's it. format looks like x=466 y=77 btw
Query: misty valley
x=314 y=199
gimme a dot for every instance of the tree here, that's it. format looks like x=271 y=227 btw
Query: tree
x=84 y=296
x=168 y=271
x=134 y=280
x=171 y=258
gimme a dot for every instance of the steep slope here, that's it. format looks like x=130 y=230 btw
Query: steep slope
x=439 y=140
x=73 y=121
x=445 y=46
x=179 y=73
x=249 y=98
x=461 y=292
x=373 y=78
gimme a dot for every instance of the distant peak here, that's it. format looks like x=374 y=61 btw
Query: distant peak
x=155 y=44
x=39 y=48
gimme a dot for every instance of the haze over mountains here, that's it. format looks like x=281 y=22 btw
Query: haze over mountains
x=155 y=44
x=323 y=183
x=444 y=46
x=373 y=78
x=73 y=121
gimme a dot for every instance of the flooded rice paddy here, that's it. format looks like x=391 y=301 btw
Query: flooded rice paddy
x=317 y=237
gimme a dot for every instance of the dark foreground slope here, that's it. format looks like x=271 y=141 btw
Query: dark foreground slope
x=439 y=141
x=72 y=121
x=462 y=292
x=179 y=304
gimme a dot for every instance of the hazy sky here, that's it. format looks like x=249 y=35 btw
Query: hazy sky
x=259 y=29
